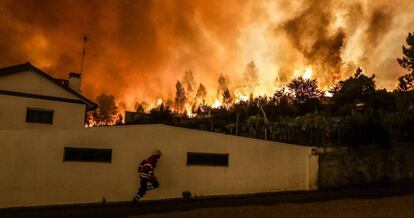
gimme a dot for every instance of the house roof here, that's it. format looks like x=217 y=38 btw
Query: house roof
x=29 y=67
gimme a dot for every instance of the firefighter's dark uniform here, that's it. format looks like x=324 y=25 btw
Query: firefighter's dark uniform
x=146 y=174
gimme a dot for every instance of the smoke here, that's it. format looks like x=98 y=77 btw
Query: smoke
x=379 y=24
x=310 y=33
x=138 y=49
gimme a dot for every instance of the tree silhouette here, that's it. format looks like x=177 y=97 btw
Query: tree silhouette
x=406 y=82
x=140 y=109
x=223 y=83
x=201 y=93
x=304 y=90
x=188 y=85
x=407 y=61
x=180 y=97
x=227 y=98
x=357 y=88
x=251 y=77
x=283 y=103
x=106 y=112
x=161 y=114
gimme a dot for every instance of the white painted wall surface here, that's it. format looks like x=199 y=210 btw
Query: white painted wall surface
x=65 y=116
x=33 y=171
x=33 y=83
x=13 y=108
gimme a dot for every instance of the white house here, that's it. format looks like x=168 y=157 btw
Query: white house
x=47 y=158
x=30 y=98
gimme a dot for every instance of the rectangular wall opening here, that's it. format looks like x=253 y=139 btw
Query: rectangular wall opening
x=87 y=154
x=207 y=159
x=36 y=115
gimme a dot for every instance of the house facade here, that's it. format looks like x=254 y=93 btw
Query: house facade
x=32 y=99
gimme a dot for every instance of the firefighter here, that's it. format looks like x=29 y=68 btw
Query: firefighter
x=146 y=175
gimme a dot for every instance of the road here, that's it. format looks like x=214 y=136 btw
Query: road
x=401 y=206
x=378 y=201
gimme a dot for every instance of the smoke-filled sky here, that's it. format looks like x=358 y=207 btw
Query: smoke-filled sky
x=138 y=49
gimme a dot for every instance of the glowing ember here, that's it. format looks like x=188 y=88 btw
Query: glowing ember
x=243 y=98
x=328 y=94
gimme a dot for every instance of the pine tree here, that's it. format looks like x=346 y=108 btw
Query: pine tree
x=180 y=97
x=406 y=82
x=201 y=93
x=227 y=98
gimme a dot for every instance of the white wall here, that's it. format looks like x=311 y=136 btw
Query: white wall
x=13 y=108
x=33 y=83
x=33 y=172
x=65 y=115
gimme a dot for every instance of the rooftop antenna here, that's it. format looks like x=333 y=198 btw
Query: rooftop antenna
x=85 y=39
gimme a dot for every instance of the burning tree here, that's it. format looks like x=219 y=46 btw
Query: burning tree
x=201 y=94
x=304 y=90
x=223 y=84
x=227 y=98
x=251 y=77
x=180 y=98
x=305 y=94
x=106 y=113
x=142 y=107
x=189 y=84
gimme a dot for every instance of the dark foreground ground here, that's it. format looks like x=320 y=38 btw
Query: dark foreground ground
x=373 y=201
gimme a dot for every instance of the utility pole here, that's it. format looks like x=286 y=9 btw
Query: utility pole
x=267 y=123
x=211 y=121
x=85 y=39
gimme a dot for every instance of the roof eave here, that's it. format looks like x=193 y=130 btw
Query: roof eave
x=28 y=66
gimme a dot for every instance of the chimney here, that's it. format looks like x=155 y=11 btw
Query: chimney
x=75 y=81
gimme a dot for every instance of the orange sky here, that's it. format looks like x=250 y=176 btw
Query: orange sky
x=137 y=50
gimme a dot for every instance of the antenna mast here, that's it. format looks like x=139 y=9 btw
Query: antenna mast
x=85 y=39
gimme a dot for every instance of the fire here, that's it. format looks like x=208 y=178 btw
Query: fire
x=159 y=102
x=239 y=96
x=243 y=98
x=189 y=111
x=216 y=104
x=308 y=73
x=328 y=94
x=147 y=65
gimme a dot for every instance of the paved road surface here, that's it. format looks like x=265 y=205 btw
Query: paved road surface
x=379 y=201
x=401 y=206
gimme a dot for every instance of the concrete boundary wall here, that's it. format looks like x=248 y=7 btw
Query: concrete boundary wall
x=33 y=172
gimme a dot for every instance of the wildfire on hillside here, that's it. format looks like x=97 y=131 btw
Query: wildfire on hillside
x=138 y=50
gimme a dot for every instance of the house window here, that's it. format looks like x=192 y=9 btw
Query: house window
x=35 y=115
x=207 y=159
x=87 y=154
